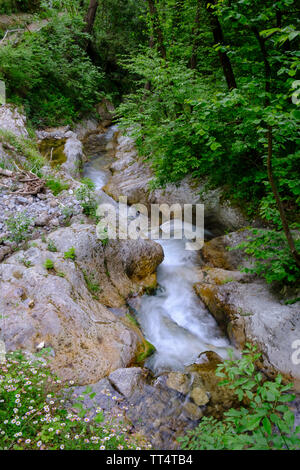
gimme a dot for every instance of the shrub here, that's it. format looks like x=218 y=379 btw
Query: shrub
x=25 y=147
x=50 y=73
x=56 y=186
x=273 y=258
x=49 y=264
x=34 y=413
x=19 y=227
x=13 y=6
x=92 y=286
x=266 y=422
x=85 y=195
x=51 y=246
x=70 y=254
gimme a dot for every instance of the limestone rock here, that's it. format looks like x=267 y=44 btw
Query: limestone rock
x=248 y=309
x=218 y=399
x=74 y=153
x=192 y=410
x=106 y=110
x=125 y=380
x=66 y=144
x=131 y=178
x=12 y=120
x=85 y=126
x=152 y=409
x=4 y=250
x=199 y=396
x=57 y=308
x=179 y=382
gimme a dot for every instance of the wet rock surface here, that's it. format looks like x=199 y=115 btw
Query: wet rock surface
x=158 y=407
x=151 y=409
x=79 y=308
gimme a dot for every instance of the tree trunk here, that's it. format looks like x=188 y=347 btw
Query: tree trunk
x=196 y=42
x=91 y=16
x=157 y=31
x=177 y=17
x=280 y=207
x=219 y=39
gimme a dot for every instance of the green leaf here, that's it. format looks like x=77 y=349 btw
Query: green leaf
x=267 y=426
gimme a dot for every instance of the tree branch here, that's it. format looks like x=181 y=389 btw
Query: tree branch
x=284 y=222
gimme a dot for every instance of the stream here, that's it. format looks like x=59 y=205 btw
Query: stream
x=174 y=319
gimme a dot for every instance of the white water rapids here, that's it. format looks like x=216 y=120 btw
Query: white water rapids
x=174 y=319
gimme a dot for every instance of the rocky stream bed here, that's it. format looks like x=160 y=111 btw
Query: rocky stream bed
x=189 y=305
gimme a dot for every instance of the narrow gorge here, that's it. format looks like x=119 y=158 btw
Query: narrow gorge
x=127 y=322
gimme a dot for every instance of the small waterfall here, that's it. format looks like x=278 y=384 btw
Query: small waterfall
x=174 y=319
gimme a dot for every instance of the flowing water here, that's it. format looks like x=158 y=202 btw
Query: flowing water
x=174 y=320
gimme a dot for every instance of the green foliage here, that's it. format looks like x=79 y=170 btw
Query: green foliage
x=35 y=414
x=147 y=350
x=274 y=260
x=56 y=185
x=19 y=227
x=67 y=212
x=116 y=35
x=50 y=73
x=48 y=264
x=70 y=254
x=8 y=7
x=88 y=183
x=102 y=234
x=186 y=126
x=91 y=284
x=187 y=122
x=27 y=263
x=265 y=423
x=132 y=320
x=85 y=195
x=25 y=147
x=51 y=246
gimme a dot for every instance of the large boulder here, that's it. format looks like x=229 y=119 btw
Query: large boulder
x=247 y=308
x=131 y=177
x=66 y=307
x=13 y=120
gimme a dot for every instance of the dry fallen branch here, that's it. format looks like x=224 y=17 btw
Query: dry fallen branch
x=5 y=172
x=30 y=183
x=10 y=31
